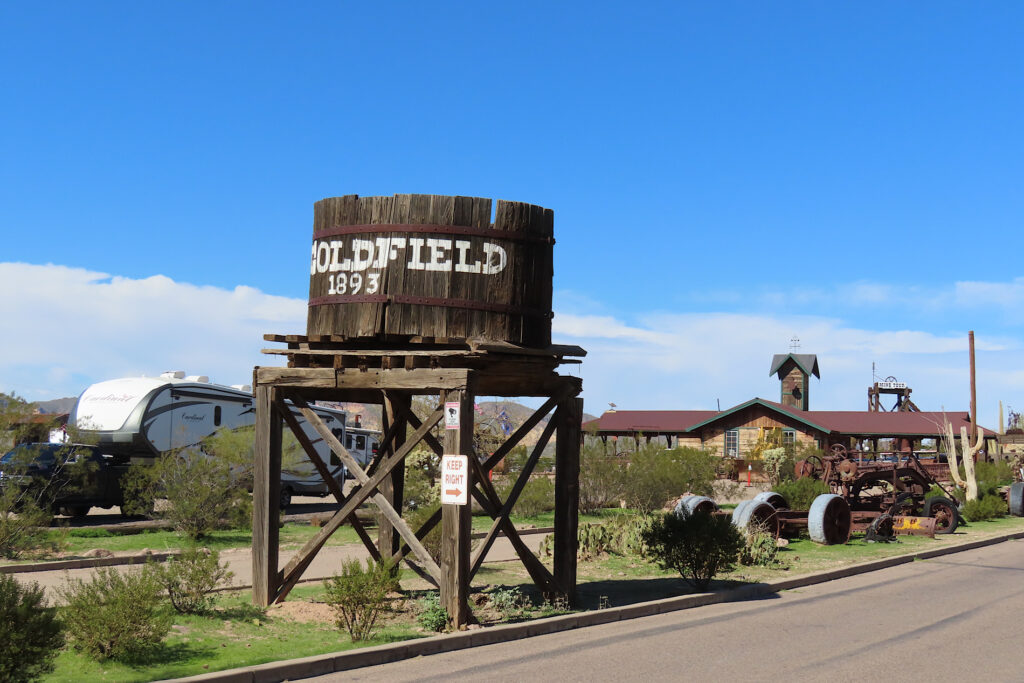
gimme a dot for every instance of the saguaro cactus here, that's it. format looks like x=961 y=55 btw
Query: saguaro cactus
x=951 y=457
x=969 y=451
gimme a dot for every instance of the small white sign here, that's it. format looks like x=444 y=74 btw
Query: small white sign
x=892 y=385
x=451 y=415
x=454 y=479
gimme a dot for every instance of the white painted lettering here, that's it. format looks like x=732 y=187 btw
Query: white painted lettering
x=323 y=256
x=438 y=249
x=415 y=257
x=336 y=247
x=462 y=262
x=362 y=254
x=495 y=259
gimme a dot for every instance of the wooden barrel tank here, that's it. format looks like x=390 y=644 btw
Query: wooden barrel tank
x=413 y=265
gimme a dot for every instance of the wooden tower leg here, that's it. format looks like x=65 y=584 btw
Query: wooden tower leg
x=567 y=494
x=266 y=495
x=455 y=519
x=393 y=487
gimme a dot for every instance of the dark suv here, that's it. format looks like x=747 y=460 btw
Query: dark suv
x=68 y=478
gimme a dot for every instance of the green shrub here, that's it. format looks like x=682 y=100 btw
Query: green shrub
x=655 y=476
x=114 y=615
x=957 y=494
x=23 y=524
x=509 y=601
x=602 y=478
x=621 y=535
x=799 y=494
x=994 y=474
x=759 y=548
x=31 y=636
x=987 y=507
x=201 y=492
x=536 y=498
x=774 y=461
x=698 y=546
x=430 y=614
x=190 y=577
x=359 y=595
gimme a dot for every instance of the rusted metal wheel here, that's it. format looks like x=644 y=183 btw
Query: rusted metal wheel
x=697 y=503
x=947 y=518
x=738 y=510
x=1016 y=499
x=829 y=520
x=903 y=505
x=757 y=515
x=838 y=450
x=774 y=499
x=811 y=466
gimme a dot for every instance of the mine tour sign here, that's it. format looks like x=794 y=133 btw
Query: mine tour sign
x=431 y=266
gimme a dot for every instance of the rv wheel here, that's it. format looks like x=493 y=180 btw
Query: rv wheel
x=286 y=498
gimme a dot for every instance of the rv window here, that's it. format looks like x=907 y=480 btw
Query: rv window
x=335 y=460
x=360 y=443
x=373 y=447
x=338 y=433
x=216 y=416
x=348 y=441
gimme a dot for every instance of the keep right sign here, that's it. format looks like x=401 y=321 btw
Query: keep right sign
x=454 y=479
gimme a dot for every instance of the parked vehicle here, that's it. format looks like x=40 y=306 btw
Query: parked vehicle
x=69 y=478
x=141 y=418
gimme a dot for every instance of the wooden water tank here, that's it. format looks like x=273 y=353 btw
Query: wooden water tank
x=392 y=268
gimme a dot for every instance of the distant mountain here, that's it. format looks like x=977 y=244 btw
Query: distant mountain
x=57 y=406
x=488 y=412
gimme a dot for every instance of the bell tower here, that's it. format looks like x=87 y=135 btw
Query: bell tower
x=794 y=371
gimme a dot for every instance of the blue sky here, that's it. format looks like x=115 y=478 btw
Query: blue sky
x=724 y=176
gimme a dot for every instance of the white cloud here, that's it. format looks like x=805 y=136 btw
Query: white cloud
x=693 y=361
x=68 y=327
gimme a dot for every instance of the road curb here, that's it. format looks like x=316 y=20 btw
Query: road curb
x=85 y=563
x=318 y=665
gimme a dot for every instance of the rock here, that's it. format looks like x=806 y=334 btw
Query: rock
x=99 y=552
x=781 y=542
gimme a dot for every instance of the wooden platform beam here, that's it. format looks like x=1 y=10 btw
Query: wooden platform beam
x=567 y=493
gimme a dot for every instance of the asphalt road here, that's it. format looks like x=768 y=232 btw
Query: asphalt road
x=951 y=618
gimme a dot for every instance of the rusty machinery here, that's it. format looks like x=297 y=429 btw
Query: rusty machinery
x=895 y=488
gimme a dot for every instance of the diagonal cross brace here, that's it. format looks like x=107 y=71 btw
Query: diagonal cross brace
x=325 y=473
x=367 y=489
x=501 y=519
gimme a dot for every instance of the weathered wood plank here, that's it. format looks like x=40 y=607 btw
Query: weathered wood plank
x=393 y=486
x=266 y=493
x=456 y=519
x=567 y=493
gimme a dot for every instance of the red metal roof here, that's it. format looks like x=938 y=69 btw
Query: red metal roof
x=851 y=422
x=649 y=421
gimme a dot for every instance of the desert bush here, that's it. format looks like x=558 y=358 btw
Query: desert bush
x=536 y=498
x=114 y=615
x=23 y=524
x=358 y=595
x=31 y=636
x=201 y=493
x=698 y=545
x=656 y=475
x=602 y=478
x=774 y=461
x=801 y=492
x=759 y=548
x=622 y=535
x=509 y=601
x=989 y=506
x=190 y=577
x=430 y=614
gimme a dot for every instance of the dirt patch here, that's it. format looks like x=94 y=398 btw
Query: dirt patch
x=303 y=612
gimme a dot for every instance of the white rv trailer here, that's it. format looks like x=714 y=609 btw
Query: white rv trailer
x=143 y=417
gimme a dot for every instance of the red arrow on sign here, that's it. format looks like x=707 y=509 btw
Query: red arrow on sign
x=453 y=492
